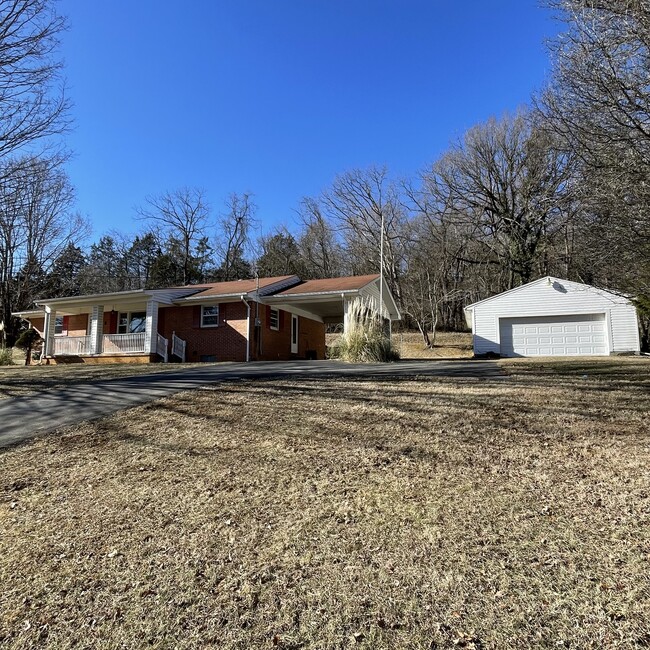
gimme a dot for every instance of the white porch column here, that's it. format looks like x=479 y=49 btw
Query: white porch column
x=151 y=327
x=96 y=329
x=346 y=305
x=48 y=332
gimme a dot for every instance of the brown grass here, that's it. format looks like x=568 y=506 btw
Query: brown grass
x=410 y=345
x=17 y=381
x=338 y=514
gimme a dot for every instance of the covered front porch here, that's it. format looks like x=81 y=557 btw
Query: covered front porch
x=121 y=325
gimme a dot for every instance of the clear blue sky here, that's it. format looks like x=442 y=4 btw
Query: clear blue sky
x=276 y=97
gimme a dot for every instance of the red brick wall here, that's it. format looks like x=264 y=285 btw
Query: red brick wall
x=227 y=342
x=276 y=345
x=311 y=336
x=77 y=325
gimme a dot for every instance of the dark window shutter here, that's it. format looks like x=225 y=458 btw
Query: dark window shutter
x=196 y=316
x=281 y=319
x=66 y=321
x=268 y=316
x=222 y=313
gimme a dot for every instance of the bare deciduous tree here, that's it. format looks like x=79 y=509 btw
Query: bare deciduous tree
x=598 y=102
x=36 y=225
x=510 y=184
x=318 y=245
x=33 y=105
x=182 y=215
x=234 y=236
x=359 y=202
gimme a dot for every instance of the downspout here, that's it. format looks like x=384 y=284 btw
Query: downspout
x=248 y=328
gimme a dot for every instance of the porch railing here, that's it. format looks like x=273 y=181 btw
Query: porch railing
x=71 y=346
x=178 y=347
x=161 y=347
x=123 y=343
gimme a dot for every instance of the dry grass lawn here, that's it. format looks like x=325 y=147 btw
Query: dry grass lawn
x=340 y=514
x=448 y=345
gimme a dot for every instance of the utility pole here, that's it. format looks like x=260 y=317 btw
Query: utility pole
x=381 y=270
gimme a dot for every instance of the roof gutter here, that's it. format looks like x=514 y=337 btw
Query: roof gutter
x=73 y=300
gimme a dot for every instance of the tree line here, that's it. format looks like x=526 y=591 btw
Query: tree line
x=561 y=187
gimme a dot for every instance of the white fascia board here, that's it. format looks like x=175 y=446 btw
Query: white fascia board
x=311 y=295
x=222 y=297
x=509 y=291
x=28 y=313
x=96 y=298
x=292 y=309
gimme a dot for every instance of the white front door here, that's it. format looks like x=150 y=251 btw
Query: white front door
x=294 y=334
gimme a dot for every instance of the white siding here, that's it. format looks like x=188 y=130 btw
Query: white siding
x=371 y=294
x=561 y=297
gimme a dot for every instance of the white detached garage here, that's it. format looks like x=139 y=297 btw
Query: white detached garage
x=551 y=317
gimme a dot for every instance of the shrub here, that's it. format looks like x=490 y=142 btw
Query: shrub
x=365 y=340
x=6 y=357
x=27 y=341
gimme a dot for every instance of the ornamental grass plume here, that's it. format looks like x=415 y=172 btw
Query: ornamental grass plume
x=365 y=340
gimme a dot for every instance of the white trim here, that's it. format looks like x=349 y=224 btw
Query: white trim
x=610 y=330
x=474 y=330
x=151 y=327
x=97 y=329
x=128 y=319
x=292 y=309
x=203 y=326
x=295 y=347
x=48 y=331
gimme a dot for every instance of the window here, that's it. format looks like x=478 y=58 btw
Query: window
x=274 y=319
x=131 y=322
x=210 y=316
x=58 y=325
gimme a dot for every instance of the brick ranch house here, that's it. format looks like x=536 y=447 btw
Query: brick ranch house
x=267 y=319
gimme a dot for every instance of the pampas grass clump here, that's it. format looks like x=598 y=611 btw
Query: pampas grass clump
x=366 y=340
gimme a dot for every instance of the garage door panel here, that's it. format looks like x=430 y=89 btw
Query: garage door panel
x=575 y=335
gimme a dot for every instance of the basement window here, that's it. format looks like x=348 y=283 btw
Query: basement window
x=210 y=316
x=274 y=319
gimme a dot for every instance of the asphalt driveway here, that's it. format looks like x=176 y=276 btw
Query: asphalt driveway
x=22 y=418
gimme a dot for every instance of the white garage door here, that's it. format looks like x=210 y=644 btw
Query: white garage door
x=578 y=335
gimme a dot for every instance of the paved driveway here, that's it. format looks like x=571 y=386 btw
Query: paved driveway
x=22 y=418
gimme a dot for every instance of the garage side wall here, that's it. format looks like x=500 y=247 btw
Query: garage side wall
x=561 y=298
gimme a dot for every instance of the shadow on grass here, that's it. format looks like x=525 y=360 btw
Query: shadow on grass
x=420 y=399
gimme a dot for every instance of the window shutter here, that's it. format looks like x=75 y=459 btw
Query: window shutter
x=281 y=319
x=196 y=316
x=222 y=313
x=268 y=316
x=66 y=321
